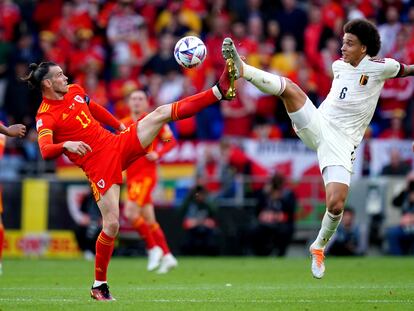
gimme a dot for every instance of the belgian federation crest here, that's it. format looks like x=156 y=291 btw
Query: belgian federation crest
x=363 y=80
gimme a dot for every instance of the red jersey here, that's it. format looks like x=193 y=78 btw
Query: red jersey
x=70 y=119
x=77 y=118
x=162 y=144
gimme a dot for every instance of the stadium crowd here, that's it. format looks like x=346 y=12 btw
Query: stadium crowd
x=113 y=47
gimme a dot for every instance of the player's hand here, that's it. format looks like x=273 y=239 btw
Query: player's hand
x=78 y=147
x=16 y=130
x=122 y=127
x=152 y=156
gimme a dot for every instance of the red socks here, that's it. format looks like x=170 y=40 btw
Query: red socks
x=189 y=106
x=141 y=227
x=104 y=249
x=159 y=238
x=1 y=240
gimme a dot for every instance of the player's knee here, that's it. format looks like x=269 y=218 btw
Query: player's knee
x=162 y=113
x=111 y=226
x=293 y=93
x=335 y=203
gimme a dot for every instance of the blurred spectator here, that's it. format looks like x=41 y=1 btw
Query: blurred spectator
x=171 y=88
x=122 y=30
x=312 y=35
x=388 y=31
x=66 y=24
x=163 y=62
x=18 y=97
x=9 y=18
x=332 y=12
x=238 y=113
x=26 y=50
x=275 y=219
x=178 y=20
x=219 y=29
x=199 y=225
x=214 y=172
x=95 y=88
x=285 y=62
x=349 y=239
x=330 y=52
x=85 y=55
x=396 y=129
x=5 y=52
x=32 y=155
x=88 y=224
x=400 y=239
x=264 y=130
x=51 y=51
x=397 y=165
x=292 y=20
x=44 y=9
x=119 y=89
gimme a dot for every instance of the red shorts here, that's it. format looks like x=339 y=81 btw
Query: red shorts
x=105 y=167
x=140 y=189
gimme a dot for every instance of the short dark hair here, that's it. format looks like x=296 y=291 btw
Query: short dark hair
x=367 y=33
x=37 y=74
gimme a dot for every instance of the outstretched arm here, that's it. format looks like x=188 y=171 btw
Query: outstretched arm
x=104 y=116
x=405 y=70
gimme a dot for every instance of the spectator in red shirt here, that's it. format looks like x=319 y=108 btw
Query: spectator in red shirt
x=9 y=18
x=85 y=54
x=396 y=129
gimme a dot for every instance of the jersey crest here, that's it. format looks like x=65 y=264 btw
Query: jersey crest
x=363 y=80
x=79 y=99
x=101 y=183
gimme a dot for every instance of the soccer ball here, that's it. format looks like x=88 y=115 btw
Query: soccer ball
x=190 y=52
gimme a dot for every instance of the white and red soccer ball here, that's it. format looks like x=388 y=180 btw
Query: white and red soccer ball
x=190 y=52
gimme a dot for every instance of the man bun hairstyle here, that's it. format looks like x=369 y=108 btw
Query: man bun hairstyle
x=367 y=33
x=37 y=74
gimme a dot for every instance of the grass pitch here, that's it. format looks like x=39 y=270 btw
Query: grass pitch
x=212 y=284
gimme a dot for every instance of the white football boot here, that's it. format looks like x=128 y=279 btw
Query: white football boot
x=154 y=258
x=168 y=262
x=318 y=266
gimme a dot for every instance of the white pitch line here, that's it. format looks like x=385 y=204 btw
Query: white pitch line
x=218 y=300
x=175 y=287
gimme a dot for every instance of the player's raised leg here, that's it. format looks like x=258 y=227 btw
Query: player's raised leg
x=292 y=95
x=149 y=127
x=108 y=205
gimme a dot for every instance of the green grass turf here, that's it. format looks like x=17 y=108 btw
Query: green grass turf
x=213 y=284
